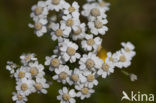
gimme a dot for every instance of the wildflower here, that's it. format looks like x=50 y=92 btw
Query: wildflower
x=69 y=51
x=66 y=96
x=62 y=74
x=84 y=92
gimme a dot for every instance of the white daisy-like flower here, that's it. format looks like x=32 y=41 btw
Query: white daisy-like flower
x=11 y=67
x=53 y=62
x=26 y=86
x=133 y=77
x=72 y=9
x=59 y=32
x=41 y=85
x=89 y=62
x=40 y=27
x=62 y=74
x=98 y=26
x=128 y=48
x=70 y=22
x=84 y=92
x=25 y=58
x=19 y=97
x=123 y=60
x=55 y=4
x=103 y=5
x=91 y=43
x=91 y=79
x=79 y=32
x=21 y=73
x=93 y=11
x=107 y=67
x=39 y=10
x=36 y=69
x=77 y=77
x=68 y=51
x=66 y=96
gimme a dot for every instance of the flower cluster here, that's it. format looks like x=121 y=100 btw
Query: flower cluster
x=29 y=77
x=78 y=59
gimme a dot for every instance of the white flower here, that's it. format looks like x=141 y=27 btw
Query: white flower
x=68 y=51
x=36 y=69
x=26 y=86
x=107 y=67
x=91 y=43
x=39 y=10
x=93 y=11
x=133 y=77
x=70 y=22
x=103 y=5
x=66 y=96
x=62 y=74
x=19 y=97
x=91 y=79
x=59 y=32
x=40 y=27
x=41 y=85
x=89 y=62
x=55 y=4
x=77 y=77
x=79 y=32
x=11 y=67
x=128 y=48
x=71 y=9
x=21 y=73
x=98 y=26
x=53 y=62
x=84 y=92
x=25 y=58
x=123 y=60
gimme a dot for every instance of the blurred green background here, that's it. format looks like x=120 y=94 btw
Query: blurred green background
x=129 y=20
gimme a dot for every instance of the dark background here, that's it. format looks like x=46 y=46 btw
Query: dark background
x=129 y=20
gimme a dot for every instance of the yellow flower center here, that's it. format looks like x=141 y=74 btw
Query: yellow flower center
x=21 y=74
x=71 y=9
x=75 y=77
x=55 y=2
x=59 y=32
x=38 y=10
x=85 y=91
x=127 y=49
x=98 y=24
x=38 y=86
x=55 y=62
x=66 y=97
x=95 y=12
x=70 y=22
x=105 y=67
x=63 y=75
x=24 y=87
x=33 y=71
x=122 y=58
x=38 y=26
x=90 y=77
x=71 y=51
x=90 y=63
x=90 y=42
